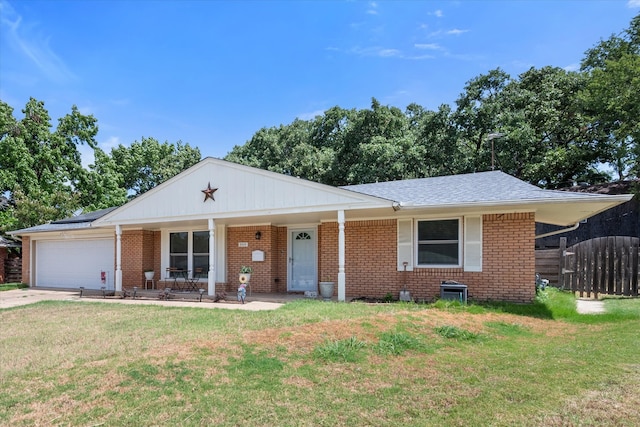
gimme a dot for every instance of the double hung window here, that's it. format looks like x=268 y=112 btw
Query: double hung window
x=438 y=243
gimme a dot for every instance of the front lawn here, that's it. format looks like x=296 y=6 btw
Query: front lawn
x=312 y=363
x=11 y=286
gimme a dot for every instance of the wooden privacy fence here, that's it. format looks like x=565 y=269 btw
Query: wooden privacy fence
x=604 y=265
x=548 y=264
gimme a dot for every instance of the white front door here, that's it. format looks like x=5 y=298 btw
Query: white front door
x=302 y=260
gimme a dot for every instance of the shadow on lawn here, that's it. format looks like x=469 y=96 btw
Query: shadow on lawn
x=536 y=309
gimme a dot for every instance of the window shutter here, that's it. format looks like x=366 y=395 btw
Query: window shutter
x=405 y=244
x=472 y=243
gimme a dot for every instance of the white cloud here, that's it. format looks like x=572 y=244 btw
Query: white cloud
x=121 y=102
x=373 y=8
x=419 y=57
x=86 y=153
x=457 y=32
x=389 y=52
x=572 y=67
x=465 y=56
x=386 y=53
x=428 y=46
x=370 y=51
x=31 y=44
x=111 y=142
x=632 y=4
x=311 y=115
x=438 y=13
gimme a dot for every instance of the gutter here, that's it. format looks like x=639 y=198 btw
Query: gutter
x=564 y=230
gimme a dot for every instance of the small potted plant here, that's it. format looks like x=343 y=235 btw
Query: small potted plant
x=245 y=274
x=148 y=274
x=326 y=288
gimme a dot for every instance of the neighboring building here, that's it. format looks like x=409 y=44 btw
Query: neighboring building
x=7 y=261
x=621 y=220
x=478 y=229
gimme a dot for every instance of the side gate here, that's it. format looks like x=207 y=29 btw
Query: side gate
x=604 y=265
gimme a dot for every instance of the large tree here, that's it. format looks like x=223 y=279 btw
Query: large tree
x=40 y=168
x=612 y=96
x=146 y=163
x=42 y=178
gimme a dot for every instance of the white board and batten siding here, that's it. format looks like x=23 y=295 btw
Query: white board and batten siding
x=240 y=191
x=72 y=263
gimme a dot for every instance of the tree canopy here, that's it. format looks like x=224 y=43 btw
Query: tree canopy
x=547 y=126
x=42 y=178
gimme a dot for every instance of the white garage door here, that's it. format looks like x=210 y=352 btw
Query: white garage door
x=75 y=263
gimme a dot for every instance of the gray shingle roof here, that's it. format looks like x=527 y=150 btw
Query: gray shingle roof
x=88 y=217
x=482 y=187
x=73 y=223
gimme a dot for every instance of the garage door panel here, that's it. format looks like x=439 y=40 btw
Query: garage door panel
x=74 y=263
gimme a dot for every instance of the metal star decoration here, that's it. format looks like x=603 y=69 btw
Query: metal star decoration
x=208 y=192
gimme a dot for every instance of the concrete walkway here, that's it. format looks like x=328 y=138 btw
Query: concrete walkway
x=589 y=306
x=19 y=297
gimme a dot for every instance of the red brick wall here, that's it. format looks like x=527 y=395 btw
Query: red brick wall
x=508 y=259
x=370 y=261
x=26 y=260
x=157 y=246
x=265 y=273
x=138 y=254
x=4 y=253
x=280 y=259
x=370 y=256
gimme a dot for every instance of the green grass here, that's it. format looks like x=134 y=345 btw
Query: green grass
x=12 y=286
x=312 y=364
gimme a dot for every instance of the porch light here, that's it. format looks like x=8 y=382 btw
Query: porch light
x=258 y=235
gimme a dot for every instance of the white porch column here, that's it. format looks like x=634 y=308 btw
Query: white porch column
x=118 y=258
x=211 y=277
x=341 y=257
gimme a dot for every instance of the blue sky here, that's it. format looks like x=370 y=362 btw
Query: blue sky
x=211 y=73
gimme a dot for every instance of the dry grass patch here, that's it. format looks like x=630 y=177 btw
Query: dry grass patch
x=141 y=366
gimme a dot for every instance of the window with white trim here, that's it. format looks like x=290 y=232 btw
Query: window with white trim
x=189 y=250
x=439 y=243
x=201 y=252
x=178 y=250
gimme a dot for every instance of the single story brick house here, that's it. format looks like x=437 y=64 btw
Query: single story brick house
x=371 y=239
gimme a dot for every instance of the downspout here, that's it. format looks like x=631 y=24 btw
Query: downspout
x=564 y=230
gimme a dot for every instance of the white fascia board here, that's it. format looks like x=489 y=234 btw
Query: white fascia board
x=542 y=207
x=615 y=199
x=73 y=234
x=253 y=213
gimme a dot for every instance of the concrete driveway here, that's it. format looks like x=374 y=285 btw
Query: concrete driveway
x=19 y=297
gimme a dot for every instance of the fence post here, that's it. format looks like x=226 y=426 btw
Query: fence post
x=561 y=255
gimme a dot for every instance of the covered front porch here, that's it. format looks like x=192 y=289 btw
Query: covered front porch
x=282 y=259
x=217 y=217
